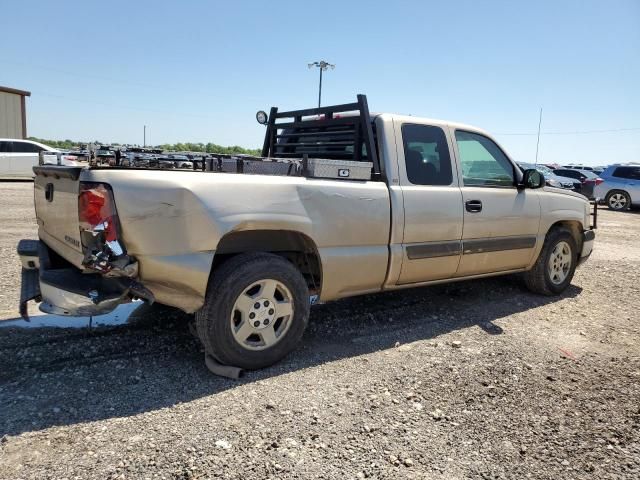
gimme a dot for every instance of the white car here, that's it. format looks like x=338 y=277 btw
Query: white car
x=18 y=157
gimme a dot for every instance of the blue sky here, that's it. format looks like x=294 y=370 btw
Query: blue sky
x=198 y=71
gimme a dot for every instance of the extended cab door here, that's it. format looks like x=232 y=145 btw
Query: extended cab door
x=432 y=203
x=501 y=222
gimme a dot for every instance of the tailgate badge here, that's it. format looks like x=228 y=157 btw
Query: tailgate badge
x=72 y=241
x=48 y=192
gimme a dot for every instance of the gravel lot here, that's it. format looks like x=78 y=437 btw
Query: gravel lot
x=470 y=380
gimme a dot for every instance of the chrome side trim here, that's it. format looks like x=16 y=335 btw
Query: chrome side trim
x=483 y=245
x=433 y=250
x=468 y=247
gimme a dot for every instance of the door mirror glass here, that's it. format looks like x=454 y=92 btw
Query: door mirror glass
x=532 y=178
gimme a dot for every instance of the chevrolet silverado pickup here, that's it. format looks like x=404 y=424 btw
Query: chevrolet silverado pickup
x=341 y=202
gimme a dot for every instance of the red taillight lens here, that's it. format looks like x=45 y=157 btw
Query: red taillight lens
x=96 y=209
x=90 y=207
x=599 y=181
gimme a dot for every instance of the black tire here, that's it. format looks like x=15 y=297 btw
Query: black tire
x=618 y=205
x=538 y=279
x=226 y=285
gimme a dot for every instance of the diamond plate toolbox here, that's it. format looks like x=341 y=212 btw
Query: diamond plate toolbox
x=339 y=169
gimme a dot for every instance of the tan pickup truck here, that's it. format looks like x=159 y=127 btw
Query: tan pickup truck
x=342 y=203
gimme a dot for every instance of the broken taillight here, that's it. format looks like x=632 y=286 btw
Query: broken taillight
x=99 y=226
x=96 y=209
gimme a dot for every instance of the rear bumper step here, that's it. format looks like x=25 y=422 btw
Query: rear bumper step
x=29 y=290
x=28 y=250
x=68 y=291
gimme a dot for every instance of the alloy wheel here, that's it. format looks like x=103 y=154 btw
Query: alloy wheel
x=618 y=201
x=262 y=314
x=560 y=263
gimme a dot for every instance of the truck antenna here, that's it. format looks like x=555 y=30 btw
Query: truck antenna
x=538 y=142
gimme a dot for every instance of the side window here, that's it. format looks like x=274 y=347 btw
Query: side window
x=483 y=163
x=572 y=173
x=632 y=173
x=565 y=173
x=426 y=155
x=5 y=147
x=24 y=147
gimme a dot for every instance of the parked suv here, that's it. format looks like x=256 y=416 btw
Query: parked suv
x=620 y=188
x=588 y=179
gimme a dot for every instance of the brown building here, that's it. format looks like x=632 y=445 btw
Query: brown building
x=13 y=113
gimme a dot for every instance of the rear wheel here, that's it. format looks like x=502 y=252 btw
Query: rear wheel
x=553 y=271
x=618 y=200
x=255 y=312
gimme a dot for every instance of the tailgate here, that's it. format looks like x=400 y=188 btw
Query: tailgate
x=56 y=201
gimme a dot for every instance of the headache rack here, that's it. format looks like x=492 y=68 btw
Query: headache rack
x=334 y=133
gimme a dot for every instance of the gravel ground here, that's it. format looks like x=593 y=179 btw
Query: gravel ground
x=471 y=380
x=17 y=221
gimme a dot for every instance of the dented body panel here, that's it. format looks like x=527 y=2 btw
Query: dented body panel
x=172 y=224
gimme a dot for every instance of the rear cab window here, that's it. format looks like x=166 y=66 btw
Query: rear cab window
x=334 y=143
x=426 y=155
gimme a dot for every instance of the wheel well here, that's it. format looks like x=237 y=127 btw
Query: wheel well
x=574 y=227
x=294 y=246
x=614 y=190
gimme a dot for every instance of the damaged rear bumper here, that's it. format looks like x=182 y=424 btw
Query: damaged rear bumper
x=65 y=290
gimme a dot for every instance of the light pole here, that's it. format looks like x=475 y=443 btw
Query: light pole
x=322 y=65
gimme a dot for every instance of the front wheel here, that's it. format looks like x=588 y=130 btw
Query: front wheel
x=255 y=311
x=618 y=200
x=553 y=271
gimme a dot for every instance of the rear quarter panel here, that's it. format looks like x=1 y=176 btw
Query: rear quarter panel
x=172 y=223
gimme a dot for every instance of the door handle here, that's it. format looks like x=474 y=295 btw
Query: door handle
x=473 y=206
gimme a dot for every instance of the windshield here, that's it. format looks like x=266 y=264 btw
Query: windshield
x=544 y=170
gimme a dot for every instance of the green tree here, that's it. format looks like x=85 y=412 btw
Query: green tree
x=209 y=147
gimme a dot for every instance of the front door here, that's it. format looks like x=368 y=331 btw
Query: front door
x=501 y=222
x=432 y=204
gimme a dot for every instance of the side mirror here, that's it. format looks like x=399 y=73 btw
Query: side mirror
x=532 y=178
